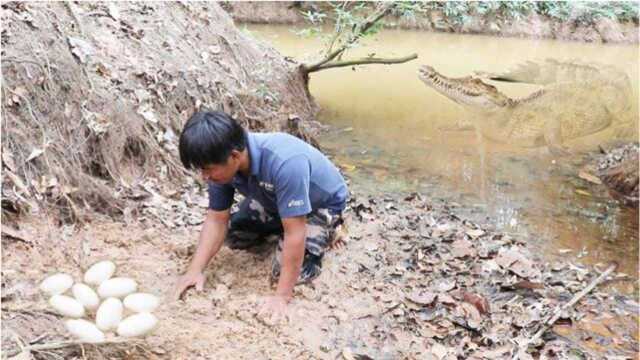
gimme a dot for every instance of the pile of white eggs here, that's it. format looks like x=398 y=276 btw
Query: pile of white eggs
x=118 y=295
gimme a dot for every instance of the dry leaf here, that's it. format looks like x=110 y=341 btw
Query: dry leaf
x=462 y=248
x=589 y=177
x=514 y=261
x=526 y=284
x=476 y=300
x=471 y=314
x=446 y=285
x=582 y=192
x=475 y=233
x=446 y=299
x=439 y=351
x=34 y=154
x=425 y=298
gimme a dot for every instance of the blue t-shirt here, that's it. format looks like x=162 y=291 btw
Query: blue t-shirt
x=288 y=177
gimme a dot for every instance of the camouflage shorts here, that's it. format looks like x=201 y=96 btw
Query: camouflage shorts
x=252 y=225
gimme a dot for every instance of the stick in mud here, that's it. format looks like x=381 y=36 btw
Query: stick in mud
x=565 y=307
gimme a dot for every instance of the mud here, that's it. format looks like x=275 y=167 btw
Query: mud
x=414 y=281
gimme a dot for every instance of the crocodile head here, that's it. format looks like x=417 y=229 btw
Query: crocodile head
x=466 y=91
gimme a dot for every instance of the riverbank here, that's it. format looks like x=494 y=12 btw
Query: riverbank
x=532 y=26
x=416 y=279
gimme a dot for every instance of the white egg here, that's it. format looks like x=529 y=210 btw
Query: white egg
x=141 y=302
x=67 y=306
x=56 y=284
x=99 y=272
x=86 y=296
x=109 y=314
x=137 y=325
x=117 y=287
x=85 y=330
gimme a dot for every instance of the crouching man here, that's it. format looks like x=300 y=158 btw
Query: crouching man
x=290 y=188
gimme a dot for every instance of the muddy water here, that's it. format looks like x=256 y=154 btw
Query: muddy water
x=392 y=135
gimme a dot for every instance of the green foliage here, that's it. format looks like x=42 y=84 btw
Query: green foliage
x=345 y=14
x=347 y=20
x=585 y=12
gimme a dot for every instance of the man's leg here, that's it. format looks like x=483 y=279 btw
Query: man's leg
x=320 y=231
x=250 y=225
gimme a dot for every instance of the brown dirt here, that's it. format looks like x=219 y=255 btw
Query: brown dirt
x=97 y=93
x=370 y=300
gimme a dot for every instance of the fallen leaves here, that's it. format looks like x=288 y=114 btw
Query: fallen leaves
x=478 y=301
x=462 y=248
x=421 y=298
x=462 y=282
x=516 y=262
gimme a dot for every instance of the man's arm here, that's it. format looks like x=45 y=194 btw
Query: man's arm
x=214 y=230
x=295 y=231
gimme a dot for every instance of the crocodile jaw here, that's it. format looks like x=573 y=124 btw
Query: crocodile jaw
x=466 y=91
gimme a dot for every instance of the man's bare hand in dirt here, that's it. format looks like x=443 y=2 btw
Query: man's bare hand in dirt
x=189 y=279
x=274 y=310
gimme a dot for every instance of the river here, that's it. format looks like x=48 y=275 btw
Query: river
x=389 y=132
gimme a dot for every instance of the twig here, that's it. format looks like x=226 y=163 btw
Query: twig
x=367 y=61
x=361 y=31
x=21 y=61
x=562 y=309
x=68 y=343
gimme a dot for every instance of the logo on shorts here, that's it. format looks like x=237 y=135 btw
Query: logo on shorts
x=267 y=186
x=293 y=203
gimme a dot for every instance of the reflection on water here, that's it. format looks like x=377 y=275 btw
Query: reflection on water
x=394 y=139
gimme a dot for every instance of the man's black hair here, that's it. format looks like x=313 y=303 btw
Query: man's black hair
x=208 y=139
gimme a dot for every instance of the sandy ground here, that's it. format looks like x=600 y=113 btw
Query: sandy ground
x=357 y=308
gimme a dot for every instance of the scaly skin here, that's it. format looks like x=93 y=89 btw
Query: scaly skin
x=573 y=104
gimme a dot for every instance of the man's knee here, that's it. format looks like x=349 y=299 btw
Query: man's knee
x=241 y=239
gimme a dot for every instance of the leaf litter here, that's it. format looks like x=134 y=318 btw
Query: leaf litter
x=415 y=281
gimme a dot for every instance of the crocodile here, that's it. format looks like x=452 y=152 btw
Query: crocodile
x=576 y=100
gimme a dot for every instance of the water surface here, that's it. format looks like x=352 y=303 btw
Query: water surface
x=388 y=133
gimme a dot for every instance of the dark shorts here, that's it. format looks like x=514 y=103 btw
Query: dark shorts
x=252 y=225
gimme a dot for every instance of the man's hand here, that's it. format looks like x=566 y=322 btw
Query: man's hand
x=189 y=279
x=273 y=310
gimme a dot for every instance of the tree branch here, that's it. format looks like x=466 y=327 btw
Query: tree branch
x=361 y=30
x=560 y=310
x=363 y=61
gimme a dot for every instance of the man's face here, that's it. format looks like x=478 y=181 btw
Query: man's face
x=221 y=173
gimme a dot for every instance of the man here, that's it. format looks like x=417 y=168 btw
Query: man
x=290 y=188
